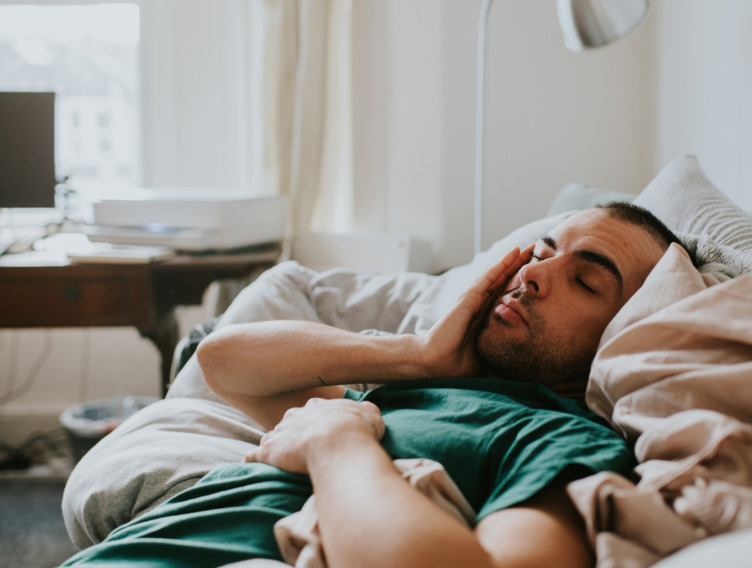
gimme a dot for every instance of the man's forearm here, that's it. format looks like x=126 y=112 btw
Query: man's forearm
x=247 y=364
x=370 y=516
x=269 y=358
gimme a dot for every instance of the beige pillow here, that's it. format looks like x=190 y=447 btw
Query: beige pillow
x=680 y=343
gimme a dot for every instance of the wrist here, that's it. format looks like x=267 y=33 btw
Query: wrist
x=324 y=452
x=402 y=359
x=417 y=364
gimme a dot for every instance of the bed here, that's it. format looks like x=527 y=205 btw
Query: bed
x=671 y=375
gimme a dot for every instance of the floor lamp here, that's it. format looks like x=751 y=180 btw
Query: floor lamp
x=584 y=24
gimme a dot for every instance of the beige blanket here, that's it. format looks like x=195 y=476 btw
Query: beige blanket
x=673 y=374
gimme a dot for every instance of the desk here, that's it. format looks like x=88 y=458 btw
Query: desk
x=139 y=295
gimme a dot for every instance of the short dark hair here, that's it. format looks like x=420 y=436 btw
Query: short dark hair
x=641 y=217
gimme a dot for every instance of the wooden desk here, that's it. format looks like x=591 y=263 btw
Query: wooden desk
x=139 y=295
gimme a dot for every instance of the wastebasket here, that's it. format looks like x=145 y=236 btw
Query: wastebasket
x=87 y=423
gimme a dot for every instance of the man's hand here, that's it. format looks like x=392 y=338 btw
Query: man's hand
x=448 y=349
x=321 y=423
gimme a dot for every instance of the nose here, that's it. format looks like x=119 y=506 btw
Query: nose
x=536 y=277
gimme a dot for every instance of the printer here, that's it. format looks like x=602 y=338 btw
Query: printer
x=190 y=220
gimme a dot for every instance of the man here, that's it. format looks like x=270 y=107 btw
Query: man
x=545 y=325
x=510 y=444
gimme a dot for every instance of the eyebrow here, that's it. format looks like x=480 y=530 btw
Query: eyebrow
x=593 y=258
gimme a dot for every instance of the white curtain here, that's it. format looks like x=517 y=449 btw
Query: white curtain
x=307 y=115
x=302 y=121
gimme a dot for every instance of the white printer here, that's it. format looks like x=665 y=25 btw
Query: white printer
x=190 y=220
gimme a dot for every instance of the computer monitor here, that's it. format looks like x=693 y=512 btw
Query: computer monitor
x=27 y=149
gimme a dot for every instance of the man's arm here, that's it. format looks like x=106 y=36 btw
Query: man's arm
x=247 y=363
x=336 y=443
x=266 y=368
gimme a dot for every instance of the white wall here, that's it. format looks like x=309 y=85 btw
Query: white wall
x=704 y=57
x=552 y=116
x=50 y=370
x=47 y=371
x=196 y=75
x=555 y=116
x=610 y=117
x=398 y=117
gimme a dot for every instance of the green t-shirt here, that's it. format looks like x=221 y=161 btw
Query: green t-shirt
x=500 y=441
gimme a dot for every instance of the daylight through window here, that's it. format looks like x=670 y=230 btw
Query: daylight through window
x=88 y=54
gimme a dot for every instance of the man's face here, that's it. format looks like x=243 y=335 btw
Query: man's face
x=546 y=326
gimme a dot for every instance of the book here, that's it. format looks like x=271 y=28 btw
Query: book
x=156 y=236
x=120 y=254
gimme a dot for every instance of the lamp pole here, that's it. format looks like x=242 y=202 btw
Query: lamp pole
x=480 y=87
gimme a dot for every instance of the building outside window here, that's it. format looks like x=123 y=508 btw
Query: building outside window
x=89 y=55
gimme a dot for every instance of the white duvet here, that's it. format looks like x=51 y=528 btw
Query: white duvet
x=677 y=346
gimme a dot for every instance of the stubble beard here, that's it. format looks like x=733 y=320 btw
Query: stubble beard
x=533 y=357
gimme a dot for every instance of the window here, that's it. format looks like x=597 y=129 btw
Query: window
x=89 y=55
x=151 y=93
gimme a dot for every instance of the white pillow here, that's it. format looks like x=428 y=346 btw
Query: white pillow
x=718 y=232
x=732 y=550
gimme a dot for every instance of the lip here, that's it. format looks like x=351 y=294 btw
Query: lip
x=510 y=311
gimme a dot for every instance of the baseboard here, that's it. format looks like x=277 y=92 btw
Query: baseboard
x=17 y=424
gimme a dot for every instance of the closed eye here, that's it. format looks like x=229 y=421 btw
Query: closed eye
x=584 y=286
x=594 y=259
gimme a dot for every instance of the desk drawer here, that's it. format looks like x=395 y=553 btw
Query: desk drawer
x=105 y=300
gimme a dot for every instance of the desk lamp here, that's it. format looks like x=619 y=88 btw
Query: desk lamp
x=584 y=24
